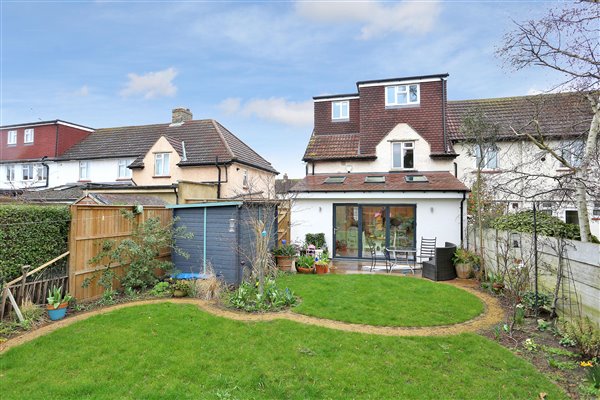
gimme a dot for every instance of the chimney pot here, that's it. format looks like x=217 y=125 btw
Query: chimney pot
x=181 y=115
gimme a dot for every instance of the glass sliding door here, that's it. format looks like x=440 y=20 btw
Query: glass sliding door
x=360 y=228
x=402 y=226
x=374 y=228
x=346 y=231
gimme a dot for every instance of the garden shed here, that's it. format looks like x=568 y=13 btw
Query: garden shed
x=223 y=236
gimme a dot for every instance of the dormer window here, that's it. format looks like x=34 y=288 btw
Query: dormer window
x=28 y=137
x=403 y=155
x=402 y=95
x=12 y=138
x=340 y=110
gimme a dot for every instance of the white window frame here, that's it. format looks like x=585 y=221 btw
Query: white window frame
x=40 y=172
x=340 y=106
x=490 y=157
x=10 y=173
x=161 y=164
x=403 y=146
x=245 y=180
x=84 y=170
x=11 y=138
x=402 y=89
x=122 y=171
x=30 y=175
x=572 y=152
x=28 y=136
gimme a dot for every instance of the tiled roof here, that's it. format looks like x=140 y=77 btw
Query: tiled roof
x=118 y=199
x=394 y=182
x=330 y=147
x=559 y=114
x=283 y=186
x=204 y=141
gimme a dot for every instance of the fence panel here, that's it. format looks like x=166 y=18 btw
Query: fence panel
x=91 y=225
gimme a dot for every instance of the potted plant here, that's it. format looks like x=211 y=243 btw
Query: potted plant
x=57 y=303
x=322 y=264
x=464 y=261
x=305 y=265
x=181 y=289
x=284 y=256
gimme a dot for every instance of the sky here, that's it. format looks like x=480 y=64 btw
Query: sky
x=253 y=66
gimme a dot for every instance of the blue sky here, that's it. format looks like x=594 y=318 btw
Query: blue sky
x=253 y=66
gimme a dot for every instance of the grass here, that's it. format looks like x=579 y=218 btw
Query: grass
x=382 y=300
x=170 y=351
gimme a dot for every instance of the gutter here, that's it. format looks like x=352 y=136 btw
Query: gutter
x=444 y=114
x=218 y=177
x=47 y=167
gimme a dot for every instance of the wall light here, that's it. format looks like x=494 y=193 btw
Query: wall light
x=232 y=225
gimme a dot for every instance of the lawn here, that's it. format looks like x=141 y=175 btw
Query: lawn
x=179 y=352
x=382 y=300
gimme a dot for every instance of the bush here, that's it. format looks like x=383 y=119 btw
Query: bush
x=247 y=297
x=316 y=239
x=31 y=235
x=586 y=334
x=547 y=225
x=286 y=250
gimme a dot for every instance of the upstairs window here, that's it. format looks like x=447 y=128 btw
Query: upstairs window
x=161 y=164
x=124 y=172
x=27 y=172
x=486 y=156
x=340 y=110
x=12 y=138
x=28 y=137
x=572 y=152
x=402 y=95
x=245 y=182
x=403 y=155
x=10 y=173
x=84 y=170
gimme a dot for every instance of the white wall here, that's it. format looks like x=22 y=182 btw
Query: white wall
x=438 y=214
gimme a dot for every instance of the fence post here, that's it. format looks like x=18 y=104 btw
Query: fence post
x=24 y=269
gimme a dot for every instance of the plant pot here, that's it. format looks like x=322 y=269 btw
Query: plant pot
x=57 y=313
x=179 y=293
x=302 y=270
x=284 y=263
x=321 y=269
x=464 y=270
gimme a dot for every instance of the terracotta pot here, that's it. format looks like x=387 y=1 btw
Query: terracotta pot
x=322 y=269
x=284 y=263
x=302 y=270
x=464 y=270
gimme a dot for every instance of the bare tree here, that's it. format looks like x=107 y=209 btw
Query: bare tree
x=565 y=40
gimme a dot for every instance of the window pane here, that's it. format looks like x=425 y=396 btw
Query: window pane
x=413 y=94
x=374 y=229
x=346 y=231
x=402 y=227
x=166 y=164
x=390 y=95
x=335 y=110
x=408 y=158
x=345 y=109
x=158 y=164
x=402 y=98
x=492 y=158
x=397 y=155
x=571 y=217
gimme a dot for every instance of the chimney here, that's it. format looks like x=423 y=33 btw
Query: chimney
x=181 y=115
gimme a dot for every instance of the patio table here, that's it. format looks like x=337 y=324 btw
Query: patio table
x=406 y=255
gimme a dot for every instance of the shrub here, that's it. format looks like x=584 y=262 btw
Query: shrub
x=316 y=239
x=544 y=300
x=248 y=298
x=161 y=289
x=31 y=235
x=586 y=334
x=286 y=250
x=547 y=225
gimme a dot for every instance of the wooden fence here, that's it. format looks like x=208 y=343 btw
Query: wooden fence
x=34 y=290
x=283 y=222
x=91 y=226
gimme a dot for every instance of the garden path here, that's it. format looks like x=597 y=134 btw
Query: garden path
x=492 y=315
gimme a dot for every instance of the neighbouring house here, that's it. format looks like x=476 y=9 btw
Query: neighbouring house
x=514 y=169
x=183 y=161
x=378 y=165
x=28 y=152
x=198 y=151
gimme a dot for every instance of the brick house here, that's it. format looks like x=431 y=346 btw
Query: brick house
x=378 y=169
x=28 y=151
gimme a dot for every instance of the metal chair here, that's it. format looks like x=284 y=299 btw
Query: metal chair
x=373 y=253
x=427 y=250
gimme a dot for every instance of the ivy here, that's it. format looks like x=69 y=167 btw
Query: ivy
x=547 y=225
x=31 y=235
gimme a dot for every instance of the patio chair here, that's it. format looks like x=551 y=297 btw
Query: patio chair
x=441 y=267
x=373 y=253
x=427 y=249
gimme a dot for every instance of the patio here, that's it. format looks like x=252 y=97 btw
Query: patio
x=341 y=266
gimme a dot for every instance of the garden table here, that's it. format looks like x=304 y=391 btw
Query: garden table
x=405 y=255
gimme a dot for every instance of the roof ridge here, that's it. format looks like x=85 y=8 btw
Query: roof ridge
x=222 y=137
x=244 y=143
x=525 y=96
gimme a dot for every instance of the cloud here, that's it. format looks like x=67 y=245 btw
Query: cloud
x=408 y=17
x=275 y=109
x=82 y=91
x=151 y=85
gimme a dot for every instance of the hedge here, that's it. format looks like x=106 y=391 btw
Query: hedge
x=31 y=235
x=547 y=225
